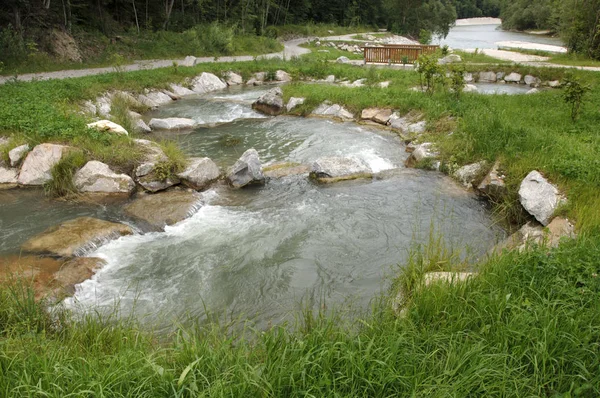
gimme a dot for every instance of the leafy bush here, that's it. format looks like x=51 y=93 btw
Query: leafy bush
x=574 y=94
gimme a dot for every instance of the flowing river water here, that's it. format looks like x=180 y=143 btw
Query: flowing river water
x=259 y=253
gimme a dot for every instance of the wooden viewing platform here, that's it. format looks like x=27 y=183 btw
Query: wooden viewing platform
x=397 y=53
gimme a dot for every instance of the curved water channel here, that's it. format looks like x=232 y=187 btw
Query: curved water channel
x=259 y=253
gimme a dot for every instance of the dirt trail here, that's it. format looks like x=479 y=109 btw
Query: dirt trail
x=291 y=49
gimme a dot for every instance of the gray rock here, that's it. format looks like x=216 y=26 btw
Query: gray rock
x=500 y=76
x=172 y=123
x=421 y=153
x=180 y=90
x=158 y=97
x=270 y=103
x=286 y=169
x=487 y=77
x=147 y=101
x=343 y=60
x=17 y=154
x=533 y=91
x=470 y=88
x=282 y=76
x=330 y=169
x=468 y=174
x=513 y=78
x=8 y=176
x=554 y=83
x=142 y=127
x=493 y=185
x=89 y=108
x=417 y=128
x=247 y=170
x=103 y=106
x=129 y=99
x=37 y=167
x=533 y=233
x=257 y=79
x=233 y=79
x=294 y=102
x=190 y=60
x=385 y=84
x=200 y=173
x=532 y=81
x=335 y=110
x=330 y=79
x=165 y=208
x=97 y=177
x=206 y=83
x=145 y=173
x=450 y=59
x=539 y=197
x=468 y=77
x=107 y=126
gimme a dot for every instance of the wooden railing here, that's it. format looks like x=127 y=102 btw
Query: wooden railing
x=396 y=53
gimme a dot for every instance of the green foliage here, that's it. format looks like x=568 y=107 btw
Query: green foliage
x=574 y=94
x=457 y=79
x=175 y=163
x=430 y=72
x=61 y=184
x=425 y=36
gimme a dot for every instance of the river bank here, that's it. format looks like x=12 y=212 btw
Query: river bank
x=465 y=130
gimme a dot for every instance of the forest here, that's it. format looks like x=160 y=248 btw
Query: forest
x=24 y=24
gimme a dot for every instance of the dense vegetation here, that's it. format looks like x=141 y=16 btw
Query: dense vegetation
x=529 y=325
x=577 y=21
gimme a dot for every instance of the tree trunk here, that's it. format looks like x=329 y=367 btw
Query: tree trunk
x=137 y=22
x=168 y=10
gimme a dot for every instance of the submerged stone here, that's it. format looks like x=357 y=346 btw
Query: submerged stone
x=71 y=237
x=165 y=208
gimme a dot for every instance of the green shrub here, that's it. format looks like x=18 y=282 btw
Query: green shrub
x=574 y=94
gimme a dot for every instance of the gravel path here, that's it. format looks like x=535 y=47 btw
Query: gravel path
x=291 y=49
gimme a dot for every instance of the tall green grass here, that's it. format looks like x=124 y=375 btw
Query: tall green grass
x=528 y=325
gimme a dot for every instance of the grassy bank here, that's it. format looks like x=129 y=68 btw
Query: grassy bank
x=98 y=50
x=529 y=325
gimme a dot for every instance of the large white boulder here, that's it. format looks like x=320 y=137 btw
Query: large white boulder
x=333 y=110
x=513 y=78
x=294 y=102
x=532 y=81
x=37 y=167
x=108 y=127
x=233 y=79
x=343 y=60
x=282 y=76
x=97 y=177
x=17 y=154
x=487 y=77
x=247 y=170
x=199 y=173
x=158 y=97
x=206 y=83
x=539 y=197
x=172 y=123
